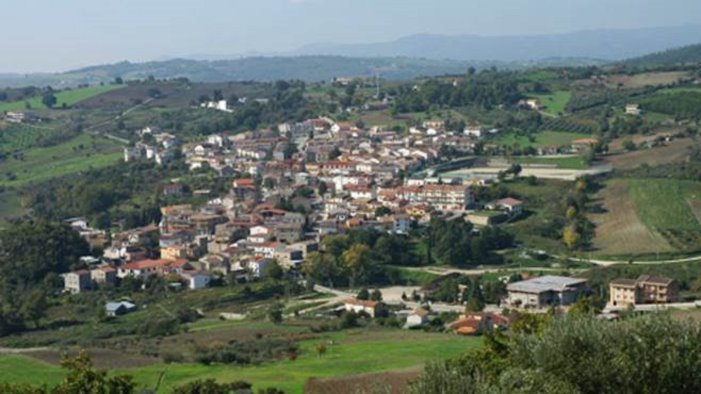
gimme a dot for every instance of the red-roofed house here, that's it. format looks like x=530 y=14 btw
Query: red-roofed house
x=357 y=306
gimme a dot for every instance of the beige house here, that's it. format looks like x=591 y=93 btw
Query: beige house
x=623 y=292
x=646 y=289
x=76 y=282
x=104 y=275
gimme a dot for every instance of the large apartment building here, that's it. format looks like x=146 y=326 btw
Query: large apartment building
x=441 y=197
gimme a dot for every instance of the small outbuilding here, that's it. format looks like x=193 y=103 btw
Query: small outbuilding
x=114 y=309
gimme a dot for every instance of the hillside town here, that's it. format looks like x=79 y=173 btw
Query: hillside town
x=305 y=181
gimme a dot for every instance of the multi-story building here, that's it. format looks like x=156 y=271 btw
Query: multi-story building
x=644 y=290
x=545 y=291
x=77 y=281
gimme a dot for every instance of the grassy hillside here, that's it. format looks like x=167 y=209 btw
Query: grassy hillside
x=77 y=154
x=555 y=103
x=66 y=97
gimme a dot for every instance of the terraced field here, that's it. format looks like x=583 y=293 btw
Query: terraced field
x=75 y=155
x=648 y=216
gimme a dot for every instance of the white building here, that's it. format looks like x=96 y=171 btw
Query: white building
x=131 y=154
x=220 y=105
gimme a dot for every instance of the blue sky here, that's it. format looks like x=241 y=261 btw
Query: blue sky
x=53 y=35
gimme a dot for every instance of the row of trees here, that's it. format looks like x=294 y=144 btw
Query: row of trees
x=578 y=230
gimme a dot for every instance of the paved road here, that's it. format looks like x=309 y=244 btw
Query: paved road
x=654 y=307
x=482 y=271
x=93 y=129
x=606 y=263
x=9 y=350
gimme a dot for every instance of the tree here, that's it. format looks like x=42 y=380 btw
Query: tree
x=376 y=295
x=629 y=145
x=83 y=378
x=363 y=294
x=356 y=261
x=49 y=99
x=118 y=81
x=322 y=267
x=475 y=298
x=571 y=237
x=382 y=211
x=585 y=306
x=210 y=386
x=34 y=307
x=275 y=313
x=273 y=270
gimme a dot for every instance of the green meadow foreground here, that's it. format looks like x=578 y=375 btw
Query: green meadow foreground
x=352 y=352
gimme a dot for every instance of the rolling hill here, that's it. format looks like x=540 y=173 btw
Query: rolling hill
x=685 y=55
x=607 y=44
x=306 y=68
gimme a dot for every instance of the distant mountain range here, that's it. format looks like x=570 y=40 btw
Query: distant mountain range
x=405 y=58
x=307 y=68
x=609 y=44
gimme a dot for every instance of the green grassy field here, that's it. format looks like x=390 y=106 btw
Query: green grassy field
x=542 y=139
x=570 y=162
x=555 y=103
x=25 y=370
x=667 y=203
x=540 y=75
x=353 y=352
x=671 y=208
x=40 y=164
x=68 y=97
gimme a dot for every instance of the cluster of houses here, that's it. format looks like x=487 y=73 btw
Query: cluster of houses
x=292 y=187
x=160 y=149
